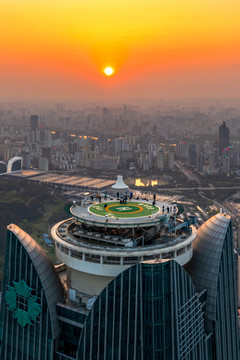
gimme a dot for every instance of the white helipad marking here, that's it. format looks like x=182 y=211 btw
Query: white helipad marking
x=123 y=208
x=149 y=207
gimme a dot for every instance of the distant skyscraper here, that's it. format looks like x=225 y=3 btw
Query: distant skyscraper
x=26 y=159
x=118 y=145
x=34 y=123
x=46 y=153
x=43 y=164
x=34 y=133
x=182 y=150
x=192 y=155
x=223 y=137
x=3 y=167
x=226 y=163
x=211 y=160
x=200 y=162
x=171 y=160
x=160 y=160
x=125 y=111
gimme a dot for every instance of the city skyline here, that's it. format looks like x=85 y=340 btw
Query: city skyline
x=157 y=50
x=119 y=174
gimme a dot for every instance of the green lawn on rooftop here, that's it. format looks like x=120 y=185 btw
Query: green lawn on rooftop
x=131 y=209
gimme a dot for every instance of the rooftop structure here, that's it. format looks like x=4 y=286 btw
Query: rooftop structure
x=120 y=185
x=65 y=182
x=102 y=239
x=15 y=164
x=28 y=174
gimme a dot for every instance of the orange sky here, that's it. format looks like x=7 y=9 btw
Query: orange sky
x=159 y=48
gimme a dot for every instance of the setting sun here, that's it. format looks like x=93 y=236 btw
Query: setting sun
x=147 y=48
x=108 y=71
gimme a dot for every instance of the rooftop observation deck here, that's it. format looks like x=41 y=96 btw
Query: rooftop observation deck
x=113 y=213
x=76 y=246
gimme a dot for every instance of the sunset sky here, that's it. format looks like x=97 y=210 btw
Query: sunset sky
x=158 y=48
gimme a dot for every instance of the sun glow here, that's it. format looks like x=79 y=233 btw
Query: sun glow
x=108 y=71
x=152 y=48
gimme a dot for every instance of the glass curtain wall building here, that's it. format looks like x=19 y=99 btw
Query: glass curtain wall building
x=150 y=311
x=212 y=268
x=223 y=138
x=31 y=288
x=155 y=309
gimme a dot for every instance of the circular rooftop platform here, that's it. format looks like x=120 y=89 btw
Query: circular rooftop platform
x=131 y=209
x=115 y=214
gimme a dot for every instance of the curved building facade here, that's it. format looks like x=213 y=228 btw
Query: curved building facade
x=31 y=288
x=150 y=311
x=212 y=268
x=15 y=164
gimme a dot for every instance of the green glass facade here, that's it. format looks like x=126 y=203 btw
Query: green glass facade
x=150 y=311
x=212 y=268
x=153 y=310
x=71 y=323
x=26 y=279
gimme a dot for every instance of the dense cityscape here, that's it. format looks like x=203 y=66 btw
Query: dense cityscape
x=126 y=137
x=119 y=180
x=179 y=166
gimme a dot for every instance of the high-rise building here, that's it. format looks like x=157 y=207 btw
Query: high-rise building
x=226 y=163
x=132 y=287
x=182 y=150
x=200 y=162
x=34 y=123
x=47 y=153
x=160 y=160
x=26 y=159
x=211 y=160
x=212 y=269
x=119 y=145
x=145 y=314
x=171 y=160
x=43 y=164
x=192 y=155
x=3 y=167
x=29 y=325
x=4 y=152
x=34 y=131
x=223 y=138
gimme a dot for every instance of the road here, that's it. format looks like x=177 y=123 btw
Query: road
x=187 y=172
x=201 y=188
x=232 y=208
